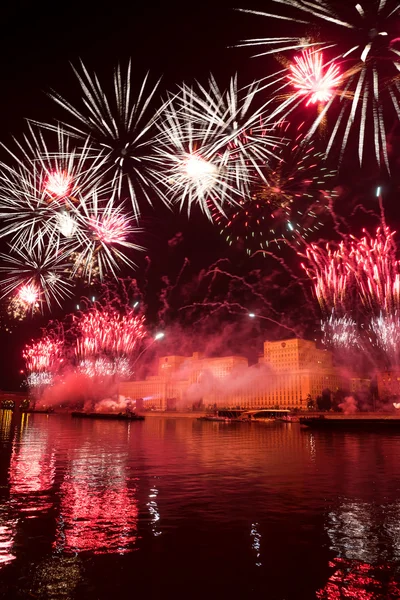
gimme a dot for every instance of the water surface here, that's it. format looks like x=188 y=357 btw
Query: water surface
x=175 y=506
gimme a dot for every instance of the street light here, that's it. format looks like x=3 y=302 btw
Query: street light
x=254 y=315
x=158 y=336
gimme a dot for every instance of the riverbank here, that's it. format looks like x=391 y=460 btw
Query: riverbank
x=327 y=415
x=173 y=414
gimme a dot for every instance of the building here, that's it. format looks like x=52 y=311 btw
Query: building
x=388 y=383
x=287 y=375
x=183 y=380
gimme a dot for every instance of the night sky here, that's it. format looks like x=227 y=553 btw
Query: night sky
x=180 y=42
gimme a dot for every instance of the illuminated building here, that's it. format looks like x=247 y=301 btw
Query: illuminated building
x=287 y=374
x=182 y=380
x=388 y=384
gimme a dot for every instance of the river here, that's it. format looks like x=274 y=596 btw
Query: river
x=179 y=508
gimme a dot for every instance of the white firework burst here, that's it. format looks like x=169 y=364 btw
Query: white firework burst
x=212 y=145
x=120 y=128
x=36 y=275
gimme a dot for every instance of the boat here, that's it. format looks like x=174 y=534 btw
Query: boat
x=108 y=416
x=356 y=422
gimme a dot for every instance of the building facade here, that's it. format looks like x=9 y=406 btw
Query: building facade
x=287 y=375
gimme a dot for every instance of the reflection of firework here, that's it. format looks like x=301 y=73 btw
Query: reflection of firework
x=287 y=205
x=362 y=42
x=212 y=145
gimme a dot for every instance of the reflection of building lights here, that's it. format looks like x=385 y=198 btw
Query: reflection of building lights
x=354 y=535
x=7 y=534
x=153 y=510
x=256 y=542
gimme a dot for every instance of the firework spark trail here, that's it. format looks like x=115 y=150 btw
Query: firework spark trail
x=167 y=291
x=230 y=308
x=257 y=290
x=289 y=203
x=212 y=143
x=107 y=341
x=367 y=41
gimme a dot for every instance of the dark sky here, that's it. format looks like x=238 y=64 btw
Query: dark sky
x=180 y=41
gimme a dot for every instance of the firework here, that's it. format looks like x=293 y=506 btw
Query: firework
x=102 y=228
x=358 y=289
x=289 y=203
x=107 y=340
x=42 y=360
x=38 y=191
x=340 y=333
x=363 y=41
x=119 y=129
x=212 y=144
x=35 y=276
x=311 y=79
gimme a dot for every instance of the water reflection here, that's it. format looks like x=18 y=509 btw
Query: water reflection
x=154 y=512
x=98 y=511
x=364 y=531
x=56 y=578
x=7 y=535
x=362 y=581
x=262 y=500
x=255 y=536
x=32 y=467
x=5 y=424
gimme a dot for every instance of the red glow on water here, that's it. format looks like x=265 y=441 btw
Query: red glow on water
x=312 y=79
x=58 y=184
x=99 y=516
x=362 y=581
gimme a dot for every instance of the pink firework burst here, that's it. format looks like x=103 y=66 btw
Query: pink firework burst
x=111 y=229
x=58 y=184
x=29 y=294
x=44 y=355
x=312 y=79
